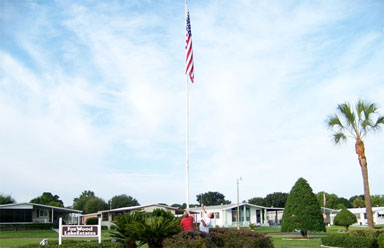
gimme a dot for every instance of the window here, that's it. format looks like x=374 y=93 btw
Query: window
x=15 y=215
x=217 y=215
x=248 y=214
x=42 y=213
x=105 y=216
x=234 y=214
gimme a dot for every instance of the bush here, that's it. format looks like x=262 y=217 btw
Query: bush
x=79 y=244
x=231 y=238
x=20 y=227
x=252 y=227
x=119 y=228
x=345 y=218
x=92 y=221
x=190 y=239
x=380 y=241
x=151 y=229
x=219 y=237
x=367 y=233
x=104 y=227
x=349 y=241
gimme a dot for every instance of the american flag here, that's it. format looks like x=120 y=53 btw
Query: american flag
x=188 y=46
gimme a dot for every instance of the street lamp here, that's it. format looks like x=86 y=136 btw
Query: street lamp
x=238 y=204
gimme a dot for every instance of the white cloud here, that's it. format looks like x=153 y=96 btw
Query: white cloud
x=98 y=102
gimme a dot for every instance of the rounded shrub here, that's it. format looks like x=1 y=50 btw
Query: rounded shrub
x=345 y=218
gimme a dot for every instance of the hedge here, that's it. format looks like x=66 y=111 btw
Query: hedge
x=32 y=226
x=92 y=221
x=233 y=238
x=190 y=239
x=219 y=237
x=349 y=241
x=78 y=244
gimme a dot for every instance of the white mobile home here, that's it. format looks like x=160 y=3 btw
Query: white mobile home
x=226 y=215
x=28 y=213
x=108 y=216
x=378 y=215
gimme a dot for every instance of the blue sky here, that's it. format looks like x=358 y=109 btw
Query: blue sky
x=92 y=96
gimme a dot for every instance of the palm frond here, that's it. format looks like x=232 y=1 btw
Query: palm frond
x=360 y=109
x=378 y=123
x=366 y=123
x=338 y=137
x=333 y=121
x=348 y=114
x=369 y=109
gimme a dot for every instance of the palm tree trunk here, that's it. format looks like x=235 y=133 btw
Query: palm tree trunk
x=360 y=150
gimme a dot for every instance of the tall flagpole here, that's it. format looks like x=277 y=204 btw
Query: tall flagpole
x=187 y=113
x=187 y=142
x=189 y=71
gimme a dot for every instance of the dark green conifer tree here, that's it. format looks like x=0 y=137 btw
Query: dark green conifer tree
x=302 y=210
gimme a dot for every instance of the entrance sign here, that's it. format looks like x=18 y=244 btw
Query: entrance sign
x=79 y=231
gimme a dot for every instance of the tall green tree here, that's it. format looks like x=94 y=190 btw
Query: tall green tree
x=212 y=198
x=377 y=200
x=356 y=124
x=276 y=199
x=120 y=201
x=94 y=205
x=6 y=199
x=331 y=200
x=257 y=201
x=358 y=202
x=345 y=202
x=79 y=202
x=302 y=210
x=48 y=199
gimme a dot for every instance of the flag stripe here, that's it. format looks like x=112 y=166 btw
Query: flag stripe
x=189 y=69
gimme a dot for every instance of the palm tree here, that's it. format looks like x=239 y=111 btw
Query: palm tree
x=357 y=123
x=143 y=228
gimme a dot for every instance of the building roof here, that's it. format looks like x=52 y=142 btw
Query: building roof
x=30 y=205
x=233 y=205
x=124 y=209
x=330 y=210
x=362 y=210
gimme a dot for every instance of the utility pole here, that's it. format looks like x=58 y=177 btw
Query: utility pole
x=238 y=204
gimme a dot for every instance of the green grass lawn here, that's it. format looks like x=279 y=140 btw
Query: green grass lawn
x=282 y=241
x=20 y=238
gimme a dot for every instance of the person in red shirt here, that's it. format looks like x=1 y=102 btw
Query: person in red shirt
x=187 y=221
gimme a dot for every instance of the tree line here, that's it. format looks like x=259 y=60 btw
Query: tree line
x=88 y=202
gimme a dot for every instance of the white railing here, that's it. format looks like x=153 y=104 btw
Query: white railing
x=40 y=221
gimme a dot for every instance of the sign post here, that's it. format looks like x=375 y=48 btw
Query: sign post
x=79 y=231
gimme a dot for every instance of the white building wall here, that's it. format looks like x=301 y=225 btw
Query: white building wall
x=253 y=216
x=228 y=220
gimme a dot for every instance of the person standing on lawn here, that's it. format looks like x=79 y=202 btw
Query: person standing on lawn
x=187 y=221
x=206 y=222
